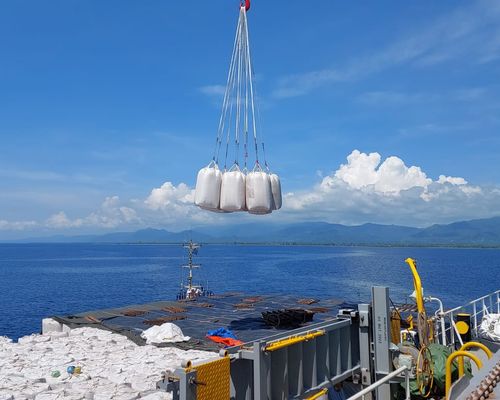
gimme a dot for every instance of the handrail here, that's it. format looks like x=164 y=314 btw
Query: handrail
x=466 y=346
x=449 y=361
x=470 y=303
x=476 y=308
x=454 y=325
x=381 y=381
x=439 y=315
x=315 y=396
x=279 y=344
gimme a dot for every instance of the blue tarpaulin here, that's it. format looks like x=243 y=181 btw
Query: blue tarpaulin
x=222 y=332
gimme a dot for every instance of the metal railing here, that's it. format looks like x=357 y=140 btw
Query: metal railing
x=477 y=309
x=388 y=377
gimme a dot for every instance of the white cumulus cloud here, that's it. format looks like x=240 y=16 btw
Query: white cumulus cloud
x=369 y=189
x=111 y=214
x=169 y=195
x=451 y=179
x=389 y=177
x=366 y=188
x=17 y=225
x=174 y=205
x=61 y=220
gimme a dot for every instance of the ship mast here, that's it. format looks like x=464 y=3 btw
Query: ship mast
x=191 y=290
x=192 y=249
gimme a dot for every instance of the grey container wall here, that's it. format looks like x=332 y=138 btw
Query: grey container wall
x=291 y=372
x=300 y=368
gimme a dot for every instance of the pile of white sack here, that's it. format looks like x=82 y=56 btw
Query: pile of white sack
x=257 y=192
x=109 y=366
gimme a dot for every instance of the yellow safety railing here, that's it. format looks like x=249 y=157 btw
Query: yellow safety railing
x=467 y=346
x=449 y=362
x=279 y=344
x=315 y=396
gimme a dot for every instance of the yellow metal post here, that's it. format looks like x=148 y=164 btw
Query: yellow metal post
x=449 y=362
x=467 y=346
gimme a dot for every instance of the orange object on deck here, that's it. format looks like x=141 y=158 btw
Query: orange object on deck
x=229 y=342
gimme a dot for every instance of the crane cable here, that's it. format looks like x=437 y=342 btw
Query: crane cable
x=252 y=103
x=239 y=94
x=226 y=100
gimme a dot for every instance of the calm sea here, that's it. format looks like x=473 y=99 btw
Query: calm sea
x=39 y=280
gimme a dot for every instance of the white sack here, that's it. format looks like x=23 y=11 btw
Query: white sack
x=50 y=325
x=276 y=191
x=208 y=183
x=490 y=327
x=232 y=192
x=258 y=193
x=165 y=333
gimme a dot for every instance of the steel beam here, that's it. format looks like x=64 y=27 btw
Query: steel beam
x=382 y=338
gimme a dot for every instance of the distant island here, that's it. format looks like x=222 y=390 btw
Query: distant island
x=474 y=233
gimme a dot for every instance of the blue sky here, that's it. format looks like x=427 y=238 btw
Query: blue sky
x=102 y=103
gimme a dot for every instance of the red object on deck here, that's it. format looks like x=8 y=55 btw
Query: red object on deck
x=228 y=342
x=247 y=5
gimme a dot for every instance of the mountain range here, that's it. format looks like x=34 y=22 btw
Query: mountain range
x=480 y=232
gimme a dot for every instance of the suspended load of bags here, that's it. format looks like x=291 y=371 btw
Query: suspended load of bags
x=234 y=188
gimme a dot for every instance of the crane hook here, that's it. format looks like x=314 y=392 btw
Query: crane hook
x=246 y=4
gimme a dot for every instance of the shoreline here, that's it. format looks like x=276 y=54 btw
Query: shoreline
x=277 y=244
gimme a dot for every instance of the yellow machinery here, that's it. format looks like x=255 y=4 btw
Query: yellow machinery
x=424 y=362
x=424 y=372
x=422 y=323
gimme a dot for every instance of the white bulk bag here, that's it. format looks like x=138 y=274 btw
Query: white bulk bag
x=165 y=333
x=276 y=191
x=207 y=192
x=232 y=191
x=259 y=194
